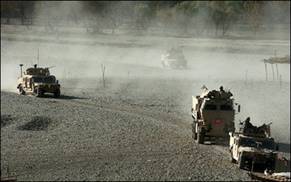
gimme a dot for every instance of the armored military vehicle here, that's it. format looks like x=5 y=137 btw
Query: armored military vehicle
x=213 y=114
x=252 y=147
x=174 y=59
x=37 y=81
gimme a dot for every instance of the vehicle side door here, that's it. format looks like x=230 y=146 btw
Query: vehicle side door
x=29 y=83
x=25 y=82
x=235 y=153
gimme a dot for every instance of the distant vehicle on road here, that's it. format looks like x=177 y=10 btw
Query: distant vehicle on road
x=37 y=81
x=174 y=59
x=253 y=148
x=213 y=114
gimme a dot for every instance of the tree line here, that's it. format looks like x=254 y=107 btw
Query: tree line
x=184 y=16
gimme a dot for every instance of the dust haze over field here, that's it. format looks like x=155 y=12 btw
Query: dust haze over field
x=140 y=96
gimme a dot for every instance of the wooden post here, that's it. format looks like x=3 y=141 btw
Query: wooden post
x=246 y=77
x=280 y=81
x=266 y=71
x=103 y=74
x=273 y=72
x=277 y=71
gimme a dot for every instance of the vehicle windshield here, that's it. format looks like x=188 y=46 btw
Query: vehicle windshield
x=175 y=54
x=226 y=107
x=250 y=142
x=210 y=107
x=48 y=79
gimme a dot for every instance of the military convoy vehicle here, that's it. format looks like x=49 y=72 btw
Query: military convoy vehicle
x=253 y=147
x=213 y=115
x=174 y=59
x=37 y=81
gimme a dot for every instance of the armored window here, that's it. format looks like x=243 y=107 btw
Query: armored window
x=210 y=107
x=50 y=79
x=226 y=107
x=37 y=79
x=247 y=142
x=269 y=144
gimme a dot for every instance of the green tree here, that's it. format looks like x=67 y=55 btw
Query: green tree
x=186 y=10
x=254 y=12
x=143 y=15
x=166 y=17
x=224 y=14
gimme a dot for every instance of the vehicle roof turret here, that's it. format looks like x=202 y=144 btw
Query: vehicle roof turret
x=37 y=71
x=215 y=94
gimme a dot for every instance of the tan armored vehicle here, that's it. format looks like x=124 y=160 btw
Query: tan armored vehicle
x=253 y=148
x=37 y=81
x=174 y=59
x=213 y=114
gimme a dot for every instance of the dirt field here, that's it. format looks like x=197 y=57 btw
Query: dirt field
x=138 y=127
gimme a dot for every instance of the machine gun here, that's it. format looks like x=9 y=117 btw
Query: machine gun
x=248 y=129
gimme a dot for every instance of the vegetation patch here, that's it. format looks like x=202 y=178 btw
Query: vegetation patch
x=5 y=119
x=37 y=123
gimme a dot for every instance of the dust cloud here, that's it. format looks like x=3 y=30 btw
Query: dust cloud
x=75 y=54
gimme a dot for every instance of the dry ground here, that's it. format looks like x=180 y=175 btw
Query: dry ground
x=138 y=127
x=138 y=131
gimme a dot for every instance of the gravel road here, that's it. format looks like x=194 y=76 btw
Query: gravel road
x=107 y=135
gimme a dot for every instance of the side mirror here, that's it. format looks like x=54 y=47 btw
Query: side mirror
x=57 y=81
x=238 y=108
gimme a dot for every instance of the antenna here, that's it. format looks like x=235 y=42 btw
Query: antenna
x=21 y=69
x=38 y=56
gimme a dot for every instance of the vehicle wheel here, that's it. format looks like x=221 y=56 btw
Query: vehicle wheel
x=200 y=136
x=231 y=159
x=241 y=162
x=194 y=134
x=57 y=93
x=21 y=91
x=39 y=92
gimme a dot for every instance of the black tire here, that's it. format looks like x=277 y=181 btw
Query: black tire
x=194 y=134
x=39 y=92
x=231 y=159
x=57 y=93
x=200 y=136
x=21 y=91
x=241 y=162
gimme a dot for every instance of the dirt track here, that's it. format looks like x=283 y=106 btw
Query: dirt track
x=108 y=135
x=104 y=137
